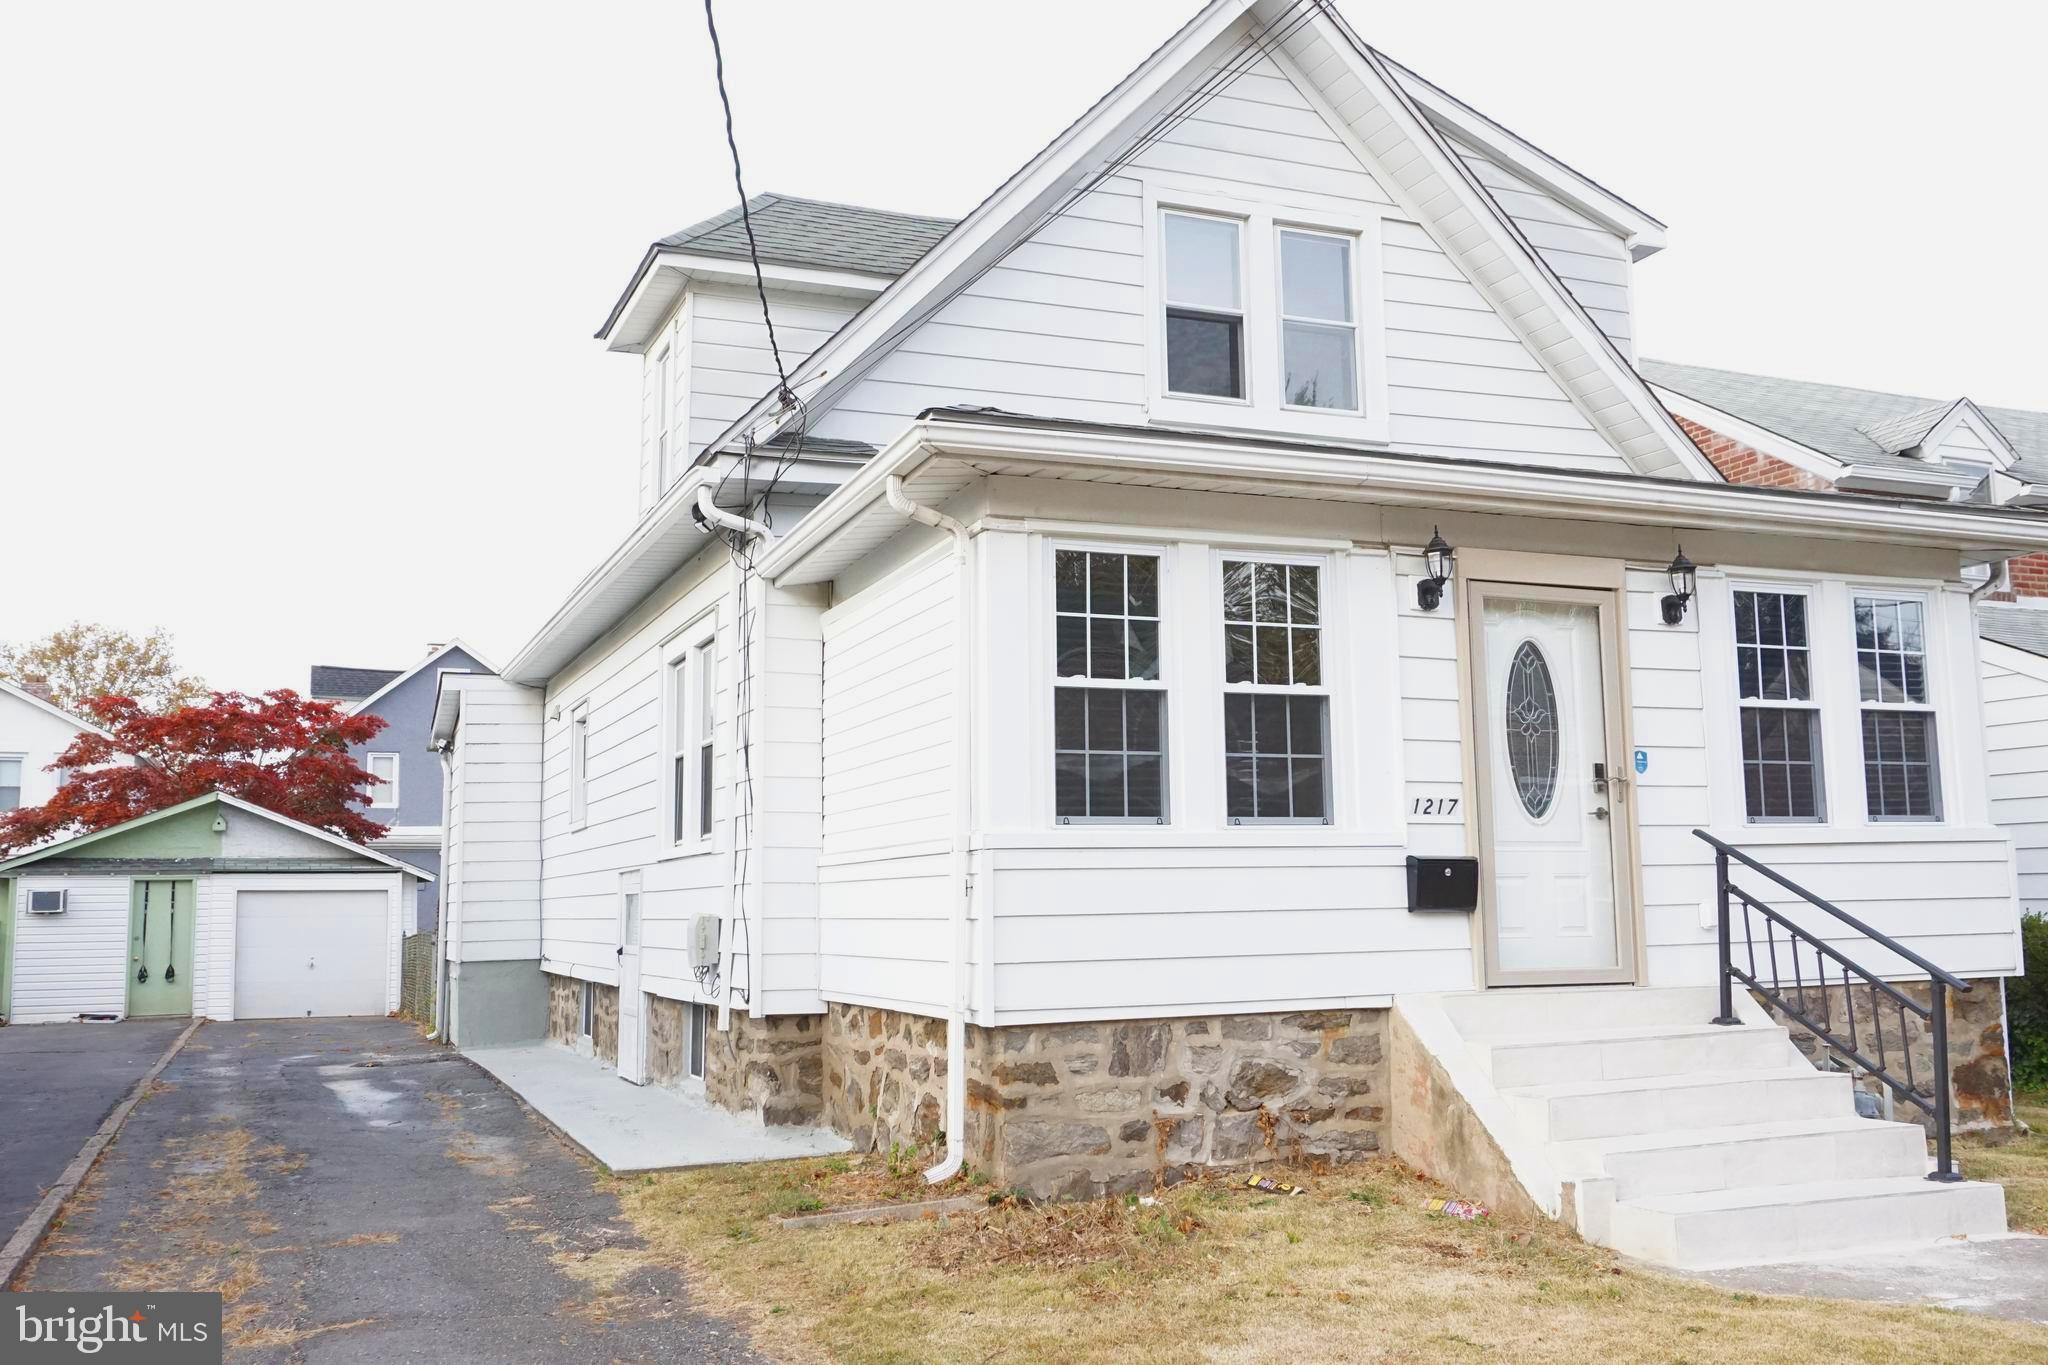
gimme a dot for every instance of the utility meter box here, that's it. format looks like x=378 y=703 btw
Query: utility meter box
x=703 y=943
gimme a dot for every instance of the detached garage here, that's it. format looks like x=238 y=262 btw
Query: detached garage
x=214 y=907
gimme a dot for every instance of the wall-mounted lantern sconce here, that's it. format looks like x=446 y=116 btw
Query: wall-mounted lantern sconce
x=1682 y=579
x=1436 y=556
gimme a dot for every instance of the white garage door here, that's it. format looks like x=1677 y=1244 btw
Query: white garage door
x=319 y=953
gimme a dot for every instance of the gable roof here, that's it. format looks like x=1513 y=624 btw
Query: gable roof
x=64 y=847
x=347 y=684
x=1853 y=426
x=2021 y=628
x=43 y=704
x=398 y=678
x=1385 y=126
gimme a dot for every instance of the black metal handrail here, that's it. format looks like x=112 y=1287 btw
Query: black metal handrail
x=1796 y=1005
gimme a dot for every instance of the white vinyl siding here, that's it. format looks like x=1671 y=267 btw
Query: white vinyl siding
x=2016 y=737
x=74 y=963
x=885 y=867
x=1590 y=259
x=490 y=865
x=730 y=364
x=1060 y=325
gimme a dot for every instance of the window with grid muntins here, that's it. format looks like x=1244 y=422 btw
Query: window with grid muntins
x=1781 y=772
x=1276 y=715
x=1900 y=771
x=1109 y=711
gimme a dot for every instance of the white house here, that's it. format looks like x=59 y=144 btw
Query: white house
x=1207 y=671
x=33 y=732
x=212 y=907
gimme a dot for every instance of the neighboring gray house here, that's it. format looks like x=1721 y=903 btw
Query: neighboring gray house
x=407 y=796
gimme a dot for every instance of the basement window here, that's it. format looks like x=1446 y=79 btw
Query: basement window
x=700 y=1026
x=587 y=1025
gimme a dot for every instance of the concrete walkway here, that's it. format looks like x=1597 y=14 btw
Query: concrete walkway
x=640 y=1127
x=2004 y=1277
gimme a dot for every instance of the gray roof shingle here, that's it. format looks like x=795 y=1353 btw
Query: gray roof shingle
x=2024 y=628
x=1853 y=425
x=817 y=233
x=348 y=684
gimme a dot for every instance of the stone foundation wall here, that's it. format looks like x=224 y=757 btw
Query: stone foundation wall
x=774 y=1067
x=1082 y=1110
x=1979 y=1077
x=565 y=1009
x=565 y=1016
x=667 y=1040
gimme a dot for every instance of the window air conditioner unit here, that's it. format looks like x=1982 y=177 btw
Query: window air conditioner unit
x=704 y=943
x=47 y=902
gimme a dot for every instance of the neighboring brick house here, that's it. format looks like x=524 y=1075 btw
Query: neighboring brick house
x=1771 y=432
x=407 y=796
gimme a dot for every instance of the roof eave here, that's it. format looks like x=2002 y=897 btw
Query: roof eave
x=1397 y=478
x=665 y=273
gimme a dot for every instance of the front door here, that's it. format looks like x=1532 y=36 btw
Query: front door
x=632 y=1004
x=1551 y=810
x=160 y=915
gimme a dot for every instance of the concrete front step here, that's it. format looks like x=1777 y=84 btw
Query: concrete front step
x=1791 y=1222
x=1578 y=1110
x=1509 y=1015
x=1627 y=1053
x=1755 y=1155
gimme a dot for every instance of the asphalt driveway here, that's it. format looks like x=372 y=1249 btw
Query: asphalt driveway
x=360 y=1194
x=58 y=1082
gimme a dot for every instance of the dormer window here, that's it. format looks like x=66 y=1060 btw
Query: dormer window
x=1204 y=306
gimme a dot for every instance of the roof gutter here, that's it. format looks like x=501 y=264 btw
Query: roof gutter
x=1301 y=470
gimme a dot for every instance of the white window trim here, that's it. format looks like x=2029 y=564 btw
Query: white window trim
x=1833 y=636
x=681 y=740
x=579 y=763
x=370 y=762
x=1930 y=669
x=664 y=414
x=1262 y=407
x=1282 y=318
x=1326 y=633
x=1048 y=671
x=1242 y=312
x=1817 y=662
x=20 y=779
x=1365 y=789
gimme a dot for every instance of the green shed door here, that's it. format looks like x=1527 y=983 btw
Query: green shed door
x=160 y=948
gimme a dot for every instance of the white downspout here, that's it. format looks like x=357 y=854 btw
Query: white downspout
x=963 y=827
x=730 y=521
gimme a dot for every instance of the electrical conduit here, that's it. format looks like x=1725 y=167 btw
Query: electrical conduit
x=963 y=826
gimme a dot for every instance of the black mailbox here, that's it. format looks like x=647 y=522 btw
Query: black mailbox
x=1443 y=885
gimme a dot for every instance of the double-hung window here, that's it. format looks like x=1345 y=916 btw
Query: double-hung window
x=1276 y=709
x=1780 y=723
x=383 y=769
x=1204 y=306
x=1900 y=775
x=1318 y=325
x=10 y=783
x=1109 y=708
x=664 y=415
x=690 y=709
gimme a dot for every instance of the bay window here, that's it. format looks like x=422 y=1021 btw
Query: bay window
x=1109 y=707
x=1780 y=721
x=1900 y=774
x=1276 y=711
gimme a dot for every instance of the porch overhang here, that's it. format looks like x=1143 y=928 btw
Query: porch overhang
x=946 y=449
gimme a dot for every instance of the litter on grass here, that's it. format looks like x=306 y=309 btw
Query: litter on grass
x=1268 y=1185
x=1463 y=1209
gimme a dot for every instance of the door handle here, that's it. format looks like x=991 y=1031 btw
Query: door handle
x=1598 y=812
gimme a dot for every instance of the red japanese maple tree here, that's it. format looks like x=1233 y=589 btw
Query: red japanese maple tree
x=279 y=751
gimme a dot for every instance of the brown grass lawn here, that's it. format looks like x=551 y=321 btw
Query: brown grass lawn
x=1356 y=1270
x=2020 y=1165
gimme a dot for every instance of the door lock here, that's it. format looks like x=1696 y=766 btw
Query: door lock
x=1599 y=812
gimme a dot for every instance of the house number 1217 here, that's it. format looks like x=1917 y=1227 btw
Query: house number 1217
x=1435 y=805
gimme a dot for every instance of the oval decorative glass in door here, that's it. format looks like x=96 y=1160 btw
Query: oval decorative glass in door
x=1531 y=724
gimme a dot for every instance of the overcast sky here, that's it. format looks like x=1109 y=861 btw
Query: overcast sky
x=296 y=300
